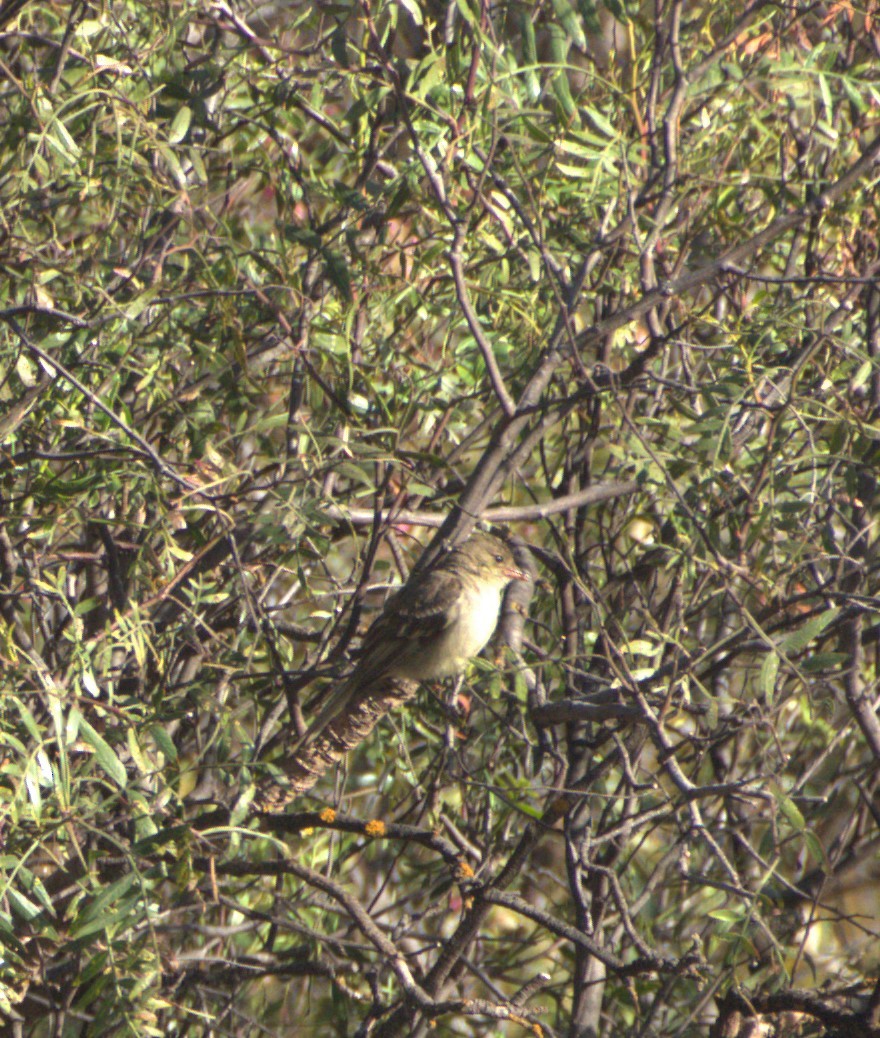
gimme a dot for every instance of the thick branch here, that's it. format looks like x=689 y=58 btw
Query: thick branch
x=346 y=731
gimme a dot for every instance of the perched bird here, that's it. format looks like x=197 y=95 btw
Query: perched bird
x=442 y=617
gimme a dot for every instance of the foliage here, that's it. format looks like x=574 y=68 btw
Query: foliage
x=288 y=287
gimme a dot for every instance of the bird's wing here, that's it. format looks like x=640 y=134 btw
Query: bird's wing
x=418 y=613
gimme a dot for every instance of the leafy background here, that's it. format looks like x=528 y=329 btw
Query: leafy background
x=288 y=286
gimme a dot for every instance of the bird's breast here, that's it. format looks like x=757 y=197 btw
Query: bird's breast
x=470 y=628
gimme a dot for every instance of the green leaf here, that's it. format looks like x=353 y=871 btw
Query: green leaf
x=826 y=95
x=814 y=845
x=22 y=906
x=180 y=125
x=164 y=742
x=767 y=676
x=855 y=98
x=104 y=754
x=600 y=121
x=862 y=375
x=68 y=145
x=823 y=661
x=466 y=13
x=798 y=640
x=337 y=271
x=339 y=46
x=570 y=22
x=590 y=15
x=413 y=10
x=562 y=91
x=95 y=916
x=727 y=915
x=530 y=54
x=789 y=809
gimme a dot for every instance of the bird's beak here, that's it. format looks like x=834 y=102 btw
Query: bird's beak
x=515 y=573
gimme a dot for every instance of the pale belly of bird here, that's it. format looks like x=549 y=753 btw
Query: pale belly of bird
x=448 y=653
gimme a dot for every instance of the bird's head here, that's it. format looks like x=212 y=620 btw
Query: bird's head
x=487 y=558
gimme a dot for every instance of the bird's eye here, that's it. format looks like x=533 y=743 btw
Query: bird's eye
x=499 y=557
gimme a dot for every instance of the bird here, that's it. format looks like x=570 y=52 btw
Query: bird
x=442 y=617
